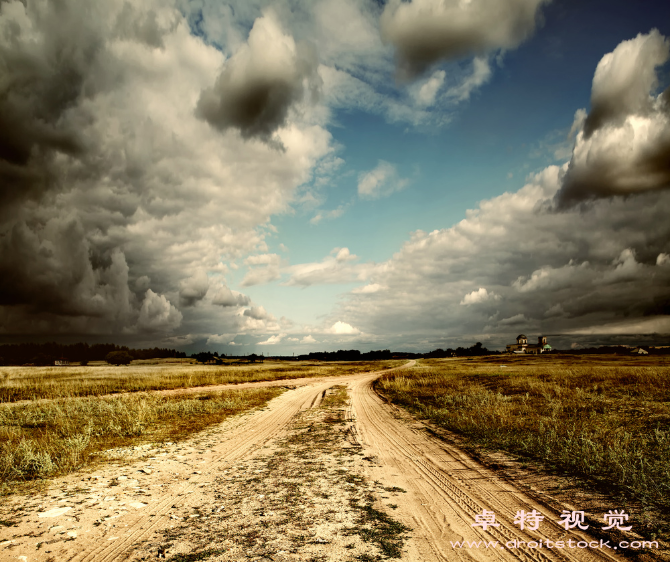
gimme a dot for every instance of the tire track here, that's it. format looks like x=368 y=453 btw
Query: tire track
x=239 y=440
x=447 y=489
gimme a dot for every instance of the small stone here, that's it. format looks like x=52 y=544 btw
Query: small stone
x=57 y=529
x=122 y=478
x=145 y=470
x=72 y=534
x=112 y=538
x=55 y=512
x=138 y=505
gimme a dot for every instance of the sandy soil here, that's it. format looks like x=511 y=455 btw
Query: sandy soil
x=291 y=481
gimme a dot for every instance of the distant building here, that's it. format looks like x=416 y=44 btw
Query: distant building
x=61 y=362
x=522 y=345
x=639 y=351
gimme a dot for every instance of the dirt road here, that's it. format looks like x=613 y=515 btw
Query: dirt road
x=115 y=513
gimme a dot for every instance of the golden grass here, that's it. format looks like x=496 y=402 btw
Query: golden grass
x=31 y=383
x=51 y=438
x=603 y=419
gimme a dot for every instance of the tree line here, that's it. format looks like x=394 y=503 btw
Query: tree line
x=46 y=353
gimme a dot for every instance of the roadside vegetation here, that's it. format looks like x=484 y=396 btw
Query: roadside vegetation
x=32 y=383
x=605 y=420
x=52 y=438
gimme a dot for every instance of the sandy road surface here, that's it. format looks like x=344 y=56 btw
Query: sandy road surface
x=445 y=490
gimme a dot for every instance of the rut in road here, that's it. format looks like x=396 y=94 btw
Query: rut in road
x=447 y=489
x=240 y=440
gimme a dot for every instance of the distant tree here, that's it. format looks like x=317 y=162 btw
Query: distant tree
x=42 y=360
x=118 y=358
x=83 y=362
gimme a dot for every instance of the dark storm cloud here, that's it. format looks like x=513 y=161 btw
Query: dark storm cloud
x=427 y=31
x=43 y=76
x=260 y=83
x=624 y=148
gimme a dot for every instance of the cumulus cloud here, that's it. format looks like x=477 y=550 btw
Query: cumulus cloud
x=158 y=314
x=261 y=82
x=193 y=289
x=339 y=267
x=308 y=339
x=105 y=97
x=427 y=31
x=600 y=264
x=224 y=296
x=370 y=288
x=480 y=295
x=265 y=268
x=381 y=181
x=273 y=340
x=342 y=328
x=624 y=145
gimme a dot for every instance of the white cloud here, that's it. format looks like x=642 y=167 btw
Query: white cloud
x=270 y=270
x=480 y=75
x=370 y=288
x=329 y=215
x=224 y=296
x=425 y=93
x=480 y=295
x=623 y=146
x=600 y=264
x=273 y=340
x=342 y=328
x=339 y=267
x=308 y=339
x=380 y=181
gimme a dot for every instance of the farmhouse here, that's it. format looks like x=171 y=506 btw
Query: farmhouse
x=522 y=345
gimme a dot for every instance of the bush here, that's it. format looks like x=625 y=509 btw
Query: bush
x=118 y=358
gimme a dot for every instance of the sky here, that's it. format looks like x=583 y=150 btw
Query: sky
x=289 y=176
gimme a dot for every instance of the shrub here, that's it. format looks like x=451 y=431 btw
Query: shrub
x=118 y=358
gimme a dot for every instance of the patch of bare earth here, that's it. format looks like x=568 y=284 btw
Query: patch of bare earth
x=302 y=499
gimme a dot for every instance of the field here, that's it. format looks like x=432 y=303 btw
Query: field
x=67 y=415
x=604 y=420
x=32 y=383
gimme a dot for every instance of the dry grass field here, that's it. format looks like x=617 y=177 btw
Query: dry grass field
x=32 y=383
x=67 y=415
x=602 y=419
